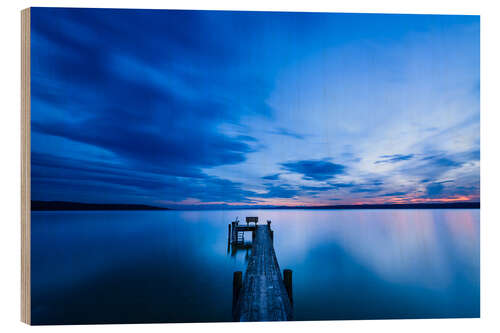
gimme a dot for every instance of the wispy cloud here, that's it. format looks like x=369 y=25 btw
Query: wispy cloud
x=394 y=158
x=365 y=190
x=285 y=132
x=279 y=191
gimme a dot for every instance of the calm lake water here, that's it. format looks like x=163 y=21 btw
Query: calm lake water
x=173 y=266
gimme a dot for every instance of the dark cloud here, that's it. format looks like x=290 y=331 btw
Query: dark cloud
x=450 y=188
x=394 y=158
x=83 y=180
x=318 y=170
x=272 y=177
x=340 y=185
x=174 y=151
x=395 y=194
x=434 y=190
x=372 y=182
x=442 y=162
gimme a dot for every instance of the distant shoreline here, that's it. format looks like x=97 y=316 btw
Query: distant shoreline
x=68 y=206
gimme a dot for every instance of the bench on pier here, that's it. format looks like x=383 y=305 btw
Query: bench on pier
x=252 y=219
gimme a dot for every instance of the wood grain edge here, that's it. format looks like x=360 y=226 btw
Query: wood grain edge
x=25 y=167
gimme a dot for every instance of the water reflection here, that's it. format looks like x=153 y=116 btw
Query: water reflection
x=174 y=266
x=246 y=249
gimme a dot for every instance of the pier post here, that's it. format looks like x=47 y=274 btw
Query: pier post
x=271 y=233
x=233 y=224
x=229 y=238
x=287 y=279
x=237 y=284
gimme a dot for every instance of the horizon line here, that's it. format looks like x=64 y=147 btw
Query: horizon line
x=40 y=205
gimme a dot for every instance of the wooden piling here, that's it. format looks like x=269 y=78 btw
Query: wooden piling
x=232 y=232
x=229 y=233
x=287 y=279
x=271 y=232
x=237 y=284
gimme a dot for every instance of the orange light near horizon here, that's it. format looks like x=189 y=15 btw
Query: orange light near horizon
x=288 y=203
x=452 y=199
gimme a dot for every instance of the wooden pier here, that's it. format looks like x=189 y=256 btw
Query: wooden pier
x=262 y=294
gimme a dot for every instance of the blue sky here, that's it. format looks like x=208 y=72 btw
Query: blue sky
x=197 y=108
